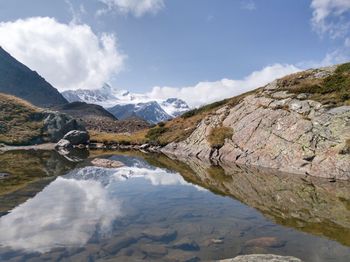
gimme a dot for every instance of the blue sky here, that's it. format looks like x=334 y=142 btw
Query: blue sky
x=177 y=43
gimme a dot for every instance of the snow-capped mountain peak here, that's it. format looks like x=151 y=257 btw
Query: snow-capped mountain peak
x=124 y=104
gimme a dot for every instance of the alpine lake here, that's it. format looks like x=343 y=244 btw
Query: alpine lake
x=62 y=208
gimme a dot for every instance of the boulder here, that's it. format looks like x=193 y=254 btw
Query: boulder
x=56 y=125
x=77 y=137
x=4 y=175
x=261 y=258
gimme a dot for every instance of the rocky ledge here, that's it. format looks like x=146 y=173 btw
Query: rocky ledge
x=277 y=128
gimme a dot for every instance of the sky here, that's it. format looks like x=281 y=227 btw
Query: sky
x=197 y=50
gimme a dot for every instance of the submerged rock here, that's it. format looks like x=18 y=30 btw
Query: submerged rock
x=160 y=234
x=186 y=244
x=265 y=242
x=106 y=163
x=261 y=258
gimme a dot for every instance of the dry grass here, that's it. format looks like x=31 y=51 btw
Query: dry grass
x=20 y=121
x=218 y=135
x=122 y=138
x=333 y=90
x=182 y=127
x=346 y=148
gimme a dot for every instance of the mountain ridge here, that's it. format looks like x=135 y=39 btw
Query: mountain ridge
x=19 y=80
x=123 y=104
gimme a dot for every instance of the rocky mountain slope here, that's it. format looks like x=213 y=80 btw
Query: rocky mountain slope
x=297 y=124
x=21 y=123
x=124 y=104
x=150 y=111
x=96 y=118
x=18 y=80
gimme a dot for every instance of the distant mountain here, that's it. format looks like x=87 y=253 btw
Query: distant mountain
x=95 y=117
x=18 y=80
x=150 y=111
x=124 y=104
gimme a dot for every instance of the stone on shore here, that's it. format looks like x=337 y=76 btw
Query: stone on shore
x=77 y=137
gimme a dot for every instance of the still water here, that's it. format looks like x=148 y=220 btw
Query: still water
x=56 y=208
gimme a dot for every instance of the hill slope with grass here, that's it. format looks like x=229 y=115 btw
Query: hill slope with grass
x=297 y=124
x=18 y=80
x=21 y=123
x=96 y=118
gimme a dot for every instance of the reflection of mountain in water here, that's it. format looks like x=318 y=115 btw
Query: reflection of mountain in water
x=305 y=203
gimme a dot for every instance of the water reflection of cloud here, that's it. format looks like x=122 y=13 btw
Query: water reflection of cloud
x=157 y=176
x=70 y=210
x=65 y=213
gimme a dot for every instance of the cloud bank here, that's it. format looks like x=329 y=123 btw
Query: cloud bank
x=69 y=56
x=207 y=92
x=137 y=8
x=330 y=18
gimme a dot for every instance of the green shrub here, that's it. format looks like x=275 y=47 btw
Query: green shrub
x=344 y=68
x=154 y=133
x=218 y=135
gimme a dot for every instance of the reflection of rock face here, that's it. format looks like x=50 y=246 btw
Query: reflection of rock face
x=306 y=203
x=65 y=213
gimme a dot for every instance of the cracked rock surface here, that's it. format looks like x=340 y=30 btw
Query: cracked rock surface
x=275 y=129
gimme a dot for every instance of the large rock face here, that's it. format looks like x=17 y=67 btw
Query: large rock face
x=276 y=129
x=57 y=125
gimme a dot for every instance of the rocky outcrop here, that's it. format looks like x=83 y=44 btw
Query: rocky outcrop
x=277 y=129
x=76 y=137
x=57 y=125
x=261 y=258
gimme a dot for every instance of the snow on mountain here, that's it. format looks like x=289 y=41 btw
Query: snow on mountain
x=124 y=104
x=150 y=111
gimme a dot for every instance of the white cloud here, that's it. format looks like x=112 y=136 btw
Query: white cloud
x=248 y=5
x=67 y=213
x=206 y=92
x=328 y=17
x=69 y=56
x=136 y=7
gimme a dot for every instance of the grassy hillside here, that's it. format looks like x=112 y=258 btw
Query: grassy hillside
x=20 y=121
x=332 y=90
